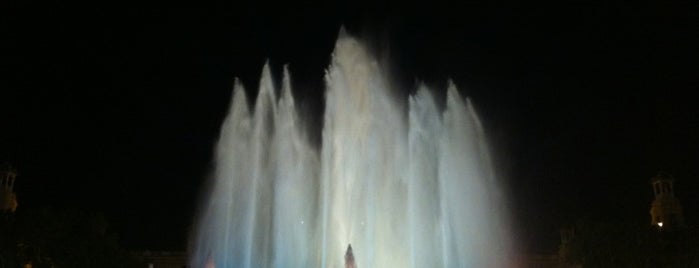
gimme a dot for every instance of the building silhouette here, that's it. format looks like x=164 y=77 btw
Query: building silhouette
x=665 y=210
x=8 y=198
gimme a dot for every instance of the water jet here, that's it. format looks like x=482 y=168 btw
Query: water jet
x=406 y=183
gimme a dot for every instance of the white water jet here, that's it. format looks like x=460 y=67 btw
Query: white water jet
x=408 y=187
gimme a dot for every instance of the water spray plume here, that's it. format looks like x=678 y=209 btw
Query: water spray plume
x=408 y=187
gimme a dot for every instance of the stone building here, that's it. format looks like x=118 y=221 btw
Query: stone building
x=8 y=198
x=665 y=211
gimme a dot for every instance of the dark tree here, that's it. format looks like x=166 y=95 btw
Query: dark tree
x=63 y=238
x=607 y=244
x=8 y=241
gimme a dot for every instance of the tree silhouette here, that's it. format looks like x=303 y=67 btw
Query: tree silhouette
x=62 y=238
x=618 y=244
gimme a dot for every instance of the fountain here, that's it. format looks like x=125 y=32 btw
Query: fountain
x=405 y=183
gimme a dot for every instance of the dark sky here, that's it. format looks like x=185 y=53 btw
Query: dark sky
x=116 y=106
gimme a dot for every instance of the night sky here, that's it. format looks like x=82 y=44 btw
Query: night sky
x=116 y=106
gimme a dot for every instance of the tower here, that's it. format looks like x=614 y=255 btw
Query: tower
x=8 y=199
x=665 y=211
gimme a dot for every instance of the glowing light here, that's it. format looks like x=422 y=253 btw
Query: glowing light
x=660 y=224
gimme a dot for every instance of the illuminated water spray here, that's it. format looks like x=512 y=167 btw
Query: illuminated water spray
x=405 y=187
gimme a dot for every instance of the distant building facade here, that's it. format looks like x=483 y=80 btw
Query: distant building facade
x=665 y=210
x=8 y=198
